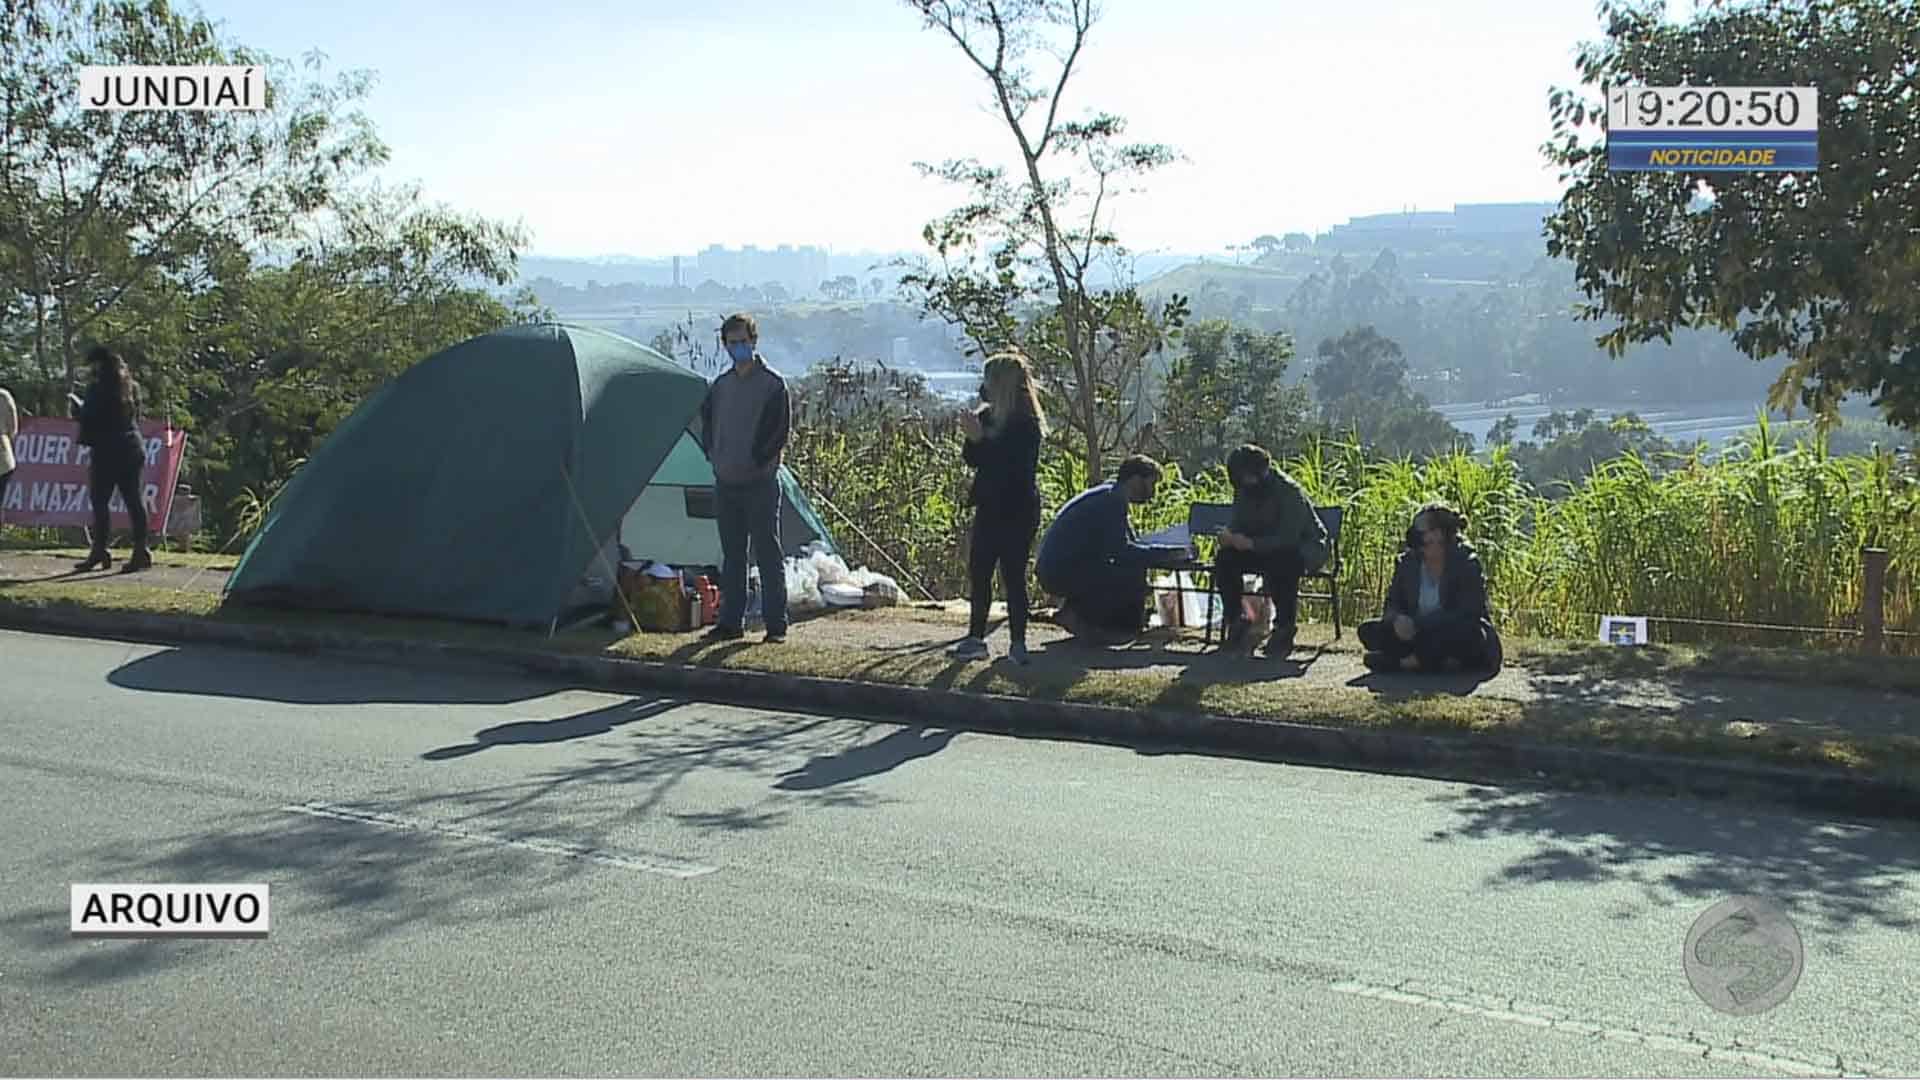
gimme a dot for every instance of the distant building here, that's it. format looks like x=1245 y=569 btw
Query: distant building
x=1466 y=223
x=902 y=353
x=798 y=270
x=1520 y=218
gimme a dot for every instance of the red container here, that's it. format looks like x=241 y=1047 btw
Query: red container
x=709 y=598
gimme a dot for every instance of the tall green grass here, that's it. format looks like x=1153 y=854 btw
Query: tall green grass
x=1770 y=537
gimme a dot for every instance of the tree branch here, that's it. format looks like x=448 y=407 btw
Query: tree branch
x=1082 y=23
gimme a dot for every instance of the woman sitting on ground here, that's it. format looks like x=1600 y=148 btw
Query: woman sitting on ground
x=1435 y=617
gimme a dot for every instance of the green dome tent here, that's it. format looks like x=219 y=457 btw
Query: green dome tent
x=487 y=480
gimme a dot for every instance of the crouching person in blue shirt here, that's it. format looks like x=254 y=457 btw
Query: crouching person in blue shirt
x=1091 y=558
x=1436 y=615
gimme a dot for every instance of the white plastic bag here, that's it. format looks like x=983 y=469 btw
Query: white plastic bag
x=817 y=579
x=803 y=586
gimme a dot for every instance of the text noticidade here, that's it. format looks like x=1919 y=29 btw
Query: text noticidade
x=170 y=911
x=173 y=89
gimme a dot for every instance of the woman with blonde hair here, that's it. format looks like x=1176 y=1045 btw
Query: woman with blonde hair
x=1003 y=446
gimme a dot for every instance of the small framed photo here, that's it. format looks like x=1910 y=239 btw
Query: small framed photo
x=1623 y=629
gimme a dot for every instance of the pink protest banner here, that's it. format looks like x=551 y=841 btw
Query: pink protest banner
x=49 y=485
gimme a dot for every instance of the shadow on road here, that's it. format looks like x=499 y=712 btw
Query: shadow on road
x=449 y=858
x=312 y=680
x=867 y=759
x=586 y=724
x=1831 y=873
x=377 y=881
x=626 y=784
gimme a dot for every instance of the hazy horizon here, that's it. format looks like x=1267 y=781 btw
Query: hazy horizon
x=836 y=252
x=659 y=129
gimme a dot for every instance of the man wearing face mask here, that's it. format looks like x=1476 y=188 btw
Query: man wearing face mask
x=744 y=421
x=1276 y=534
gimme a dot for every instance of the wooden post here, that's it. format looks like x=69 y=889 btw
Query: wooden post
x=1873 y=566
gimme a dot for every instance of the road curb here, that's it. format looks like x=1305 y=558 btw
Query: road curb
x=1470 y=759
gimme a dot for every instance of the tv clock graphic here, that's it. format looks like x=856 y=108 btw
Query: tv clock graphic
x=1743 y=956
x=1713 y=129
x=1679 y=107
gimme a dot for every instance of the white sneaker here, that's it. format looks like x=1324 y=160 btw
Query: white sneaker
x=971 y=648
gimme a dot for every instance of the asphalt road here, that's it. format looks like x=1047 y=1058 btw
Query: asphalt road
x=479 y=874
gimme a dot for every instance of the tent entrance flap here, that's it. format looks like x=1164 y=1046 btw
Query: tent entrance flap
x=676 y=518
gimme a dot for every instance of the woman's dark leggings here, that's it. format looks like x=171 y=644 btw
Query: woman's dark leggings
x=117 y=468
x=1001 y=543
x=1434 y=643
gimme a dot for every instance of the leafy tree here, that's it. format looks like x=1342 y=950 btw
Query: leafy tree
x=1125 y=353
x=1821 y=267
x=1360 y=380
x=1227 y=388
x=1044 y=230
x=842 y=289
x=260 y=293
x=1503 y=432
x=1571 y=446
x=97 y=207
x=1360 y=363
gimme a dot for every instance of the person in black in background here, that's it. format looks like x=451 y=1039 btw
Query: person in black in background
x=109 y=424
x=1003 y=446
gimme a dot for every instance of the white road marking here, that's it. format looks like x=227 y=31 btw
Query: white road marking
x=1515 y=1012
x=652 y=864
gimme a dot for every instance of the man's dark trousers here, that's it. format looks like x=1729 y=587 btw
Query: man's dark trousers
x=1280 y=573
x=749 y=514
x=1106 y=596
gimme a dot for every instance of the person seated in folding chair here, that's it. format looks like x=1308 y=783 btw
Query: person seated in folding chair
x=1091 y=557
x=1275 y=533
x=1436 y=616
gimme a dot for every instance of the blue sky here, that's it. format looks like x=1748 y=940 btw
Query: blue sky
x=648 y=128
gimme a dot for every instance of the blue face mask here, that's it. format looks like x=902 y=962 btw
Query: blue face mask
x=741 y=351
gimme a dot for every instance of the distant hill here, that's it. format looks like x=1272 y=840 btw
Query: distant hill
x=1264 y=286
